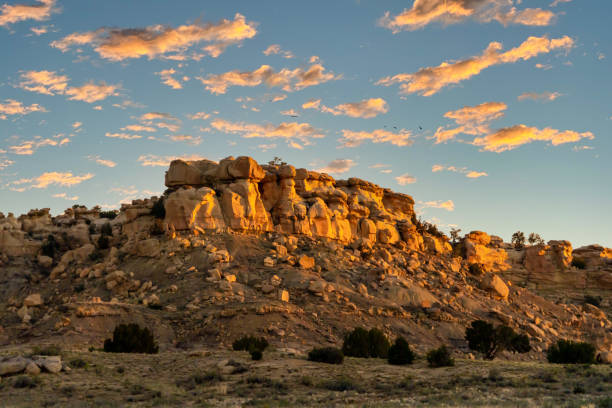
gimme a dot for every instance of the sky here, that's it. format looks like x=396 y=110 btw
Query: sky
x=494 y=115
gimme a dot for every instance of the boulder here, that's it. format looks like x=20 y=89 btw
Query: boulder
x=52 y=364
x=35 y=299
x=495 y=285
x=12 y=365
x=306 y=262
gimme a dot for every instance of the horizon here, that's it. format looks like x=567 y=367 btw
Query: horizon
x=494 y=119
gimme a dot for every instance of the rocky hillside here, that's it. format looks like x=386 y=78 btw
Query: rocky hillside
x=238 y=248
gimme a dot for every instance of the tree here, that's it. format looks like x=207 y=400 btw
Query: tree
x=400 y=352
x=518 y=239
x=363 y=343
x=454 y=233
x=535 y=239
x=489 y=340
x=571 y=352
x=277 y=161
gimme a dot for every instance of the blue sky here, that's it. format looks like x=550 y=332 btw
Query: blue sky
x=494 y=114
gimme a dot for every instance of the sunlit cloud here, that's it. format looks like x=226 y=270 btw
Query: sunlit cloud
x=286 y=130
x=287 y=79
x=472 y=120
x=275 y=49
x=290 y=112
x=510 y=138
x=430 y=80
x=337 y=166
x=159 y=41
x=12 y=107
x=91 y=92
x=65 y=196
x=38 y=31
x=50 y=83
x=46 y=179
x=101 y=161
x=124 y=136
x=192 y=140
x=545 y=67
x=168 y=79
x=462 y=170
x=4 y=163
x=544 y=96
x=405 y=179
x=353 y=139
x=447 y=205
x=266 y=147
x=367 y=108
x=424 y=12
x=580 y=148
x=138 y=128
x=199 y=115
x=557 y=2
x=151 y=160
x=157 y=115
x=39 y=11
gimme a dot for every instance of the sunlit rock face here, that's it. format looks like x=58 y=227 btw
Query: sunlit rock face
x=481 y=249
x=241 y=195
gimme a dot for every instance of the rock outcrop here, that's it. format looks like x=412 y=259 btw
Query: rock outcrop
x=481 y=249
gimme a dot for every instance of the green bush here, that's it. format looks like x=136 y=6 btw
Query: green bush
x=131 y=338
x=250 y=343
x=49 y=247
x=111 y=215
x=400 y=352
x=329 y=355
x=103 y=242
x=158 y=210
x=579 y=263
x=489 y=340
x=363 y=343
x=440 y=357
x=593 y=300
x=107 y=230
x=256 y=355
x=571 y=352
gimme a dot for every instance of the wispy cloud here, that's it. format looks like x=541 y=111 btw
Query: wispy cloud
x=28 y=147
x=462 y=170
x=472 y=120
x=510 y=138
x=287 y=79
x=337 y=166
x=168 y=79
x=367 y=108
x=424 y=12
x=151 y=160
x=429 y=81
x=124 y=136
x=544 y=96
x=39 y=11
x=290 y=131
x=405 y=179
x=51 y=83
x=353 y=139
x=101 y=161
x=447 y=205
x=275 y=49
x=65 y=179
x=12 y=107
x=161 y=41
x=65 y=196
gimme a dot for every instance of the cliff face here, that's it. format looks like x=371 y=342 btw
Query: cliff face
x=241 y=195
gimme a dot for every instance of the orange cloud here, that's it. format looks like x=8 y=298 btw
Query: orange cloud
x=287 y=79
x=424 y=12
x=405 y=179
x=28 y=147
x=462 y=170
x=367 y=108
x=166 y=76
x=139 y=128
x=102 y=162
x=276 y=49
x=447 y=205
x=337 y=166
x=192 y=140
x=156 y=41
x=352 y=139
x=91 y=92
x=429 y=81
x=44 y=82
x=473 y=120
x=152 y=160
x=544 y=96
x=65 y=196
x=66 y=179
x=510 y=138
x=124 y=136
x=13 y=107
x=199 y=115
x=40 y=11
x=286 y=130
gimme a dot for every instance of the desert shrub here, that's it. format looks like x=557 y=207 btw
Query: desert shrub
x=571 y=352
x=593 y=300
x=440 y=357
x=24 y=381
x=578 y=263
x=518 y=240
x=158 y=210
x=107 y=230
x=256 y=355
x=103 y=242
x=49 y=247
x=340 y=384
x=329 y=355
x=111 y=215
x=489 y=340
x=96 y=256
x=250 y=343
x=131 y=338
x=194 y=380
x=50 y=350
x=400 y=352
x=78 y=363
x=363 y=343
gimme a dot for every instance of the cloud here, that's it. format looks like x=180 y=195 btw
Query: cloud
x=124 y=136
x=65 y=196
x=430 y=80
x=337 y=166
x=290 y=112
x=352 y=139
x=276 y=49
x=544 y=96
x=138 y=128
x=152 y=160
x=13 y=107
x=472 y=120
x=287 y=79
x=424 y=12
x=166 y=76
x=510 y=138
x=192 y=140
x=367 y=108
x=266 y=147
x=462 y=170
x=38 y=31
x=286 y=130
x=4 y=163
x=77 y=125
x=557 y=2
x=447 y=205
x=50 y=83
x=102 y=162
x=405 y=179
x=28 y=147
x=39 y=11
x=157 y=115
x=158 y=41
x=199 y=115
x=66 y=179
